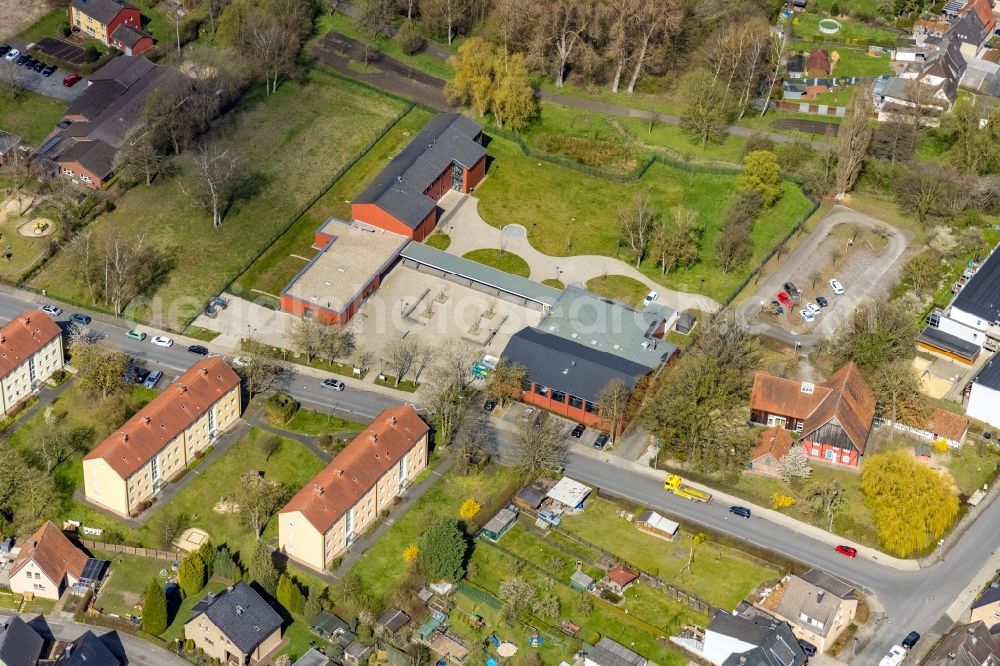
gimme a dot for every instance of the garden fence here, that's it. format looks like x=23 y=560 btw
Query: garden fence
x=167 y=555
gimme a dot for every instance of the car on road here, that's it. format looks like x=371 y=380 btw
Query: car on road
x=785 y=300
x=154 y=377
x=822 y=302
x=740 y=511
x=847 y=551
x=71 y=80
x=333 y=384
x=836 y=286
x=910 y=640
x=578 y=431
x=650 y=297
x=200 y=350
x=162 y=341
x=551 y=517
x=807 y=648
x=790 y=288
x=776 y=308
x=807 y=315
x=601 y=441
x=526 y=415
x=895 y=656
x=80 y=319
x=51 y=310
x=489 y=406
x=49 y=71
x=812 y=307
x=12 y=55
x=135 y=334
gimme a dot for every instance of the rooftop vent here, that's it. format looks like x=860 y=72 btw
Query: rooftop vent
x=808 y=388
x=565 y=371
x=239 y=610
x=318 y=489
x=146 y=420
x=327 y=283
x=391 y=420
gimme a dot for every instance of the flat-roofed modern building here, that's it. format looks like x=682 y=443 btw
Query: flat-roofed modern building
x=31 y=351
x=134 y=462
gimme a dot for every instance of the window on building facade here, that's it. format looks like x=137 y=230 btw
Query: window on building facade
x=558 y=396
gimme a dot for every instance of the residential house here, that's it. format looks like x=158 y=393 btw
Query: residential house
x=619 y=578
x=818 y=606
x=755 y=639
x=796 y=66
x=237 y=624
x=582 y=344
x=47 y=564
x=447 y=154
x=772 y=446
x=609 y=653
x=966 y=645
x=833 y=418
x=986 y=608
x=125 y=471
x=357 y=653
x=88 y=650
x=331 y=511
x=20 y=645
x=931 y=86
x=114 y=22
x=818 y=63
x=31 y=351
x=973 y=27
x=329 y=626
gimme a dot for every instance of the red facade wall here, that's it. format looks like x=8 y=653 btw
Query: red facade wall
x=473 y=176
x=425 y=228
x=141 y=46
x=76 y=168
x=821 y=451
x=130 y=16
x=562 y=408
x=298 y=307
x=375 y=216
x=440 y=186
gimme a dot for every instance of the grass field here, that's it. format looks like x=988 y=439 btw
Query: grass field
x=438 y=240
x=293 y=141
x=47 y=26
x=621 y=287
x=569 y=212
x=309 y=422
x=806 y=24
x=129 y=577
x=505 y=261
x=854 y=61
x=972 y=468
x=31 y=116
x=277 y=266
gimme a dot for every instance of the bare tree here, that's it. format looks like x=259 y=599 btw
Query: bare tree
x=400 y=355
x=612 y=405
x=828 y=498
x=424 y=355
x=138 y=160
x=257 y=500
x=449 y=15
x=449 y=385
x=115 y=268
x=259 y=370
x=852 y=140
x=635 y=222
x=13 y=80
x=215 y=180
x=306 y=336
x=560 y=28
x=539 y=449
x=375 y=19
x=776 y=54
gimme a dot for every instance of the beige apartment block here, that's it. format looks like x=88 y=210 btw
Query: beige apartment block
x=344 y=499
x=134 y=462
x=31 y=351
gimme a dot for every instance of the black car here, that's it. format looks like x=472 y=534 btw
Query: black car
x=39 y=66
x=821 y=301
x=489 y=405
x=4 y=49
x=910 y=640
x=49 y=71
x=791 y=288
x=808 y=648
x=23 y=58
x=601 y=441
x=740 y=511
x=578 y=430
x=200 y=350
x=140 y=375
x=776 y=308
x=29 y=63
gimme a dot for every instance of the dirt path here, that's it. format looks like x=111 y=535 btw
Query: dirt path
x=16 y=15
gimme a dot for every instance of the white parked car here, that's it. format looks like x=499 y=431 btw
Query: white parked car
x=807 y=315
x=12 y=54
x=51 y=310
x=812 y=307
x=162 y=341
x=895 y=656
x=836 y=286
x=650 y=297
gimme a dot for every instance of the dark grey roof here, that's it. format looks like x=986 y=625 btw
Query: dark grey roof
x=95 y=156
x=20 y=645
x=609 y=653
x=328 y=624
x=568 y=366
x=399 y=188
x=773 y=641
x=989 y=376
x=313 y=658
x=991 y=595
x=97 y=97
x=831 y=584
x=88 y=650
x=948 y=342
x=981 y=294
x=244 y=616
x=966 y=645
x=393 y=619
x=969 y=29
x=124 y=70
x=533 y=494
x=127 y=35
x=102 y=10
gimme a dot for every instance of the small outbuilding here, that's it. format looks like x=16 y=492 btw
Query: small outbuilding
x=328 y=625
x=568 y=495
x=531 y=495
x=581 y=582
x=655 y=524
x=357 y=653
x=313 y=657
x=393 y=620
x=685 y=323
x=498 y=525
x=619 y=579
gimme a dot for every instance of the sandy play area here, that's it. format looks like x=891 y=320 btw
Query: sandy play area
x=191 y=539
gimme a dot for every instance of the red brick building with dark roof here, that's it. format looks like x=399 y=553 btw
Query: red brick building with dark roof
x=340 y=502
x=834 y=418
x=114 y=22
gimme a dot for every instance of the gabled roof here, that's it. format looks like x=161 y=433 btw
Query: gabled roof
x=103 y=11
x=831 y=584
x=24 y=336
x=990 y=596
x=20 y=645
x=169 y=414
x=357 y=468
x=966 y=645
x=621 y=575
x=393 y=619
x=984 y=13
x=969 y=29
x=773 y=641
x=96 y=157
x=399 y=188
x=850 y=404
x=776 y=441
x=818 y=59
x=797 y=597
x=243 y=615
x=947 y=424
x=610 y=653
x=51 y=552
x=88 y=650
x=981 y=294
x=786 y=397
x=128 y=35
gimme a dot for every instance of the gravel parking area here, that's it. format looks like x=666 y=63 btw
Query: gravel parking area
x=16 y=15
x=51 y=86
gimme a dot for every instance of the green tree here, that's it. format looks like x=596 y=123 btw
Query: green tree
x=313 y=605
x=289 y=595
x=923 y=272
x=761 y=174
x=707 y=112
x=443 y=550
x=828 y=498
x=191 y=575
x=896 y=388
x=506 y=381
x=514 y=97
x=223 y=564
x=261 y=569
x=912 y=505
x=877 y=333
x=154 y=609
x=207 y=552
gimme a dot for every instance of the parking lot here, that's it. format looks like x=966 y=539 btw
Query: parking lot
x=51 y=86
x=517 y=413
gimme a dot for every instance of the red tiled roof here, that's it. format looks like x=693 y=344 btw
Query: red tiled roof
x=776 y=441
x=948 y=424
x=983 y=11
x=53 y=553
x=818 y=59
x=357 y=468
x=850 y=404
x=168 y=415
x=621 y=575
x=777 y=395
x=23 y=336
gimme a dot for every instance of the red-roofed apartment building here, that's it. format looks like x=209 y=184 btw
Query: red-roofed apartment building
x=47 y=564
x=834 y=418
x=340 y=502
x=30 y=352
x=135 y=461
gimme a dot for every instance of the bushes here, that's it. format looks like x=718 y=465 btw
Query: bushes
x=280 y=408
x=409 y=38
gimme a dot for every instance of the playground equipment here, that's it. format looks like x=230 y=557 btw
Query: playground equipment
x=475 y=620
x=535 y=640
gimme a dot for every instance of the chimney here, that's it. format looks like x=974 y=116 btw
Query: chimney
x=373 y=437
x=819 y=596
x=339 y=472
x=146 y=420
x=318 y=489
x=391 y=420
x=182 y=388
x=239 y=610
x=204 y=372
x=26 y=320
x=124 y=437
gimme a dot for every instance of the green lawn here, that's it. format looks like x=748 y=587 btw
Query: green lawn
x=619 y=287
x=853 y=61
x=505 y=261
x=678 y=142
x=309 y=422
x=382 y=568
x=556 y=284
x=438 y=240
x=972 y=468
x=841 y=97
x=720 y=575
x=31 y=116
x=568 y=212
x=128 y=580
x=47 y=26
x=293 y=142
x=277 y=265
x=806 y=25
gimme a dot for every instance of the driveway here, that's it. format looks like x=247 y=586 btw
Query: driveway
x=51 y=86
x=468 y=231
x=859 y=285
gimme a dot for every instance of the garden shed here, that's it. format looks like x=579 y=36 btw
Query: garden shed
x=657 y=525
x=499 y=524
x=581 y=582
x=328 y=625
x=393 y=620
x=568 y=495
x=685 y=323
x=531 y=495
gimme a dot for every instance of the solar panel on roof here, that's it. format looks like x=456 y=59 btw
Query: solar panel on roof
x=93 y=569
x=953 y=6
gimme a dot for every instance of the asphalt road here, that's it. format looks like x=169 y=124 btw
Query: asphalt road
x=913 y=600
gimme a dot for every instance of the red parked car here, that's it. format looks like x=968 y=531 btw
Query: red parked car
x=785 y=299
x=847 y=551
x=71 y=80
